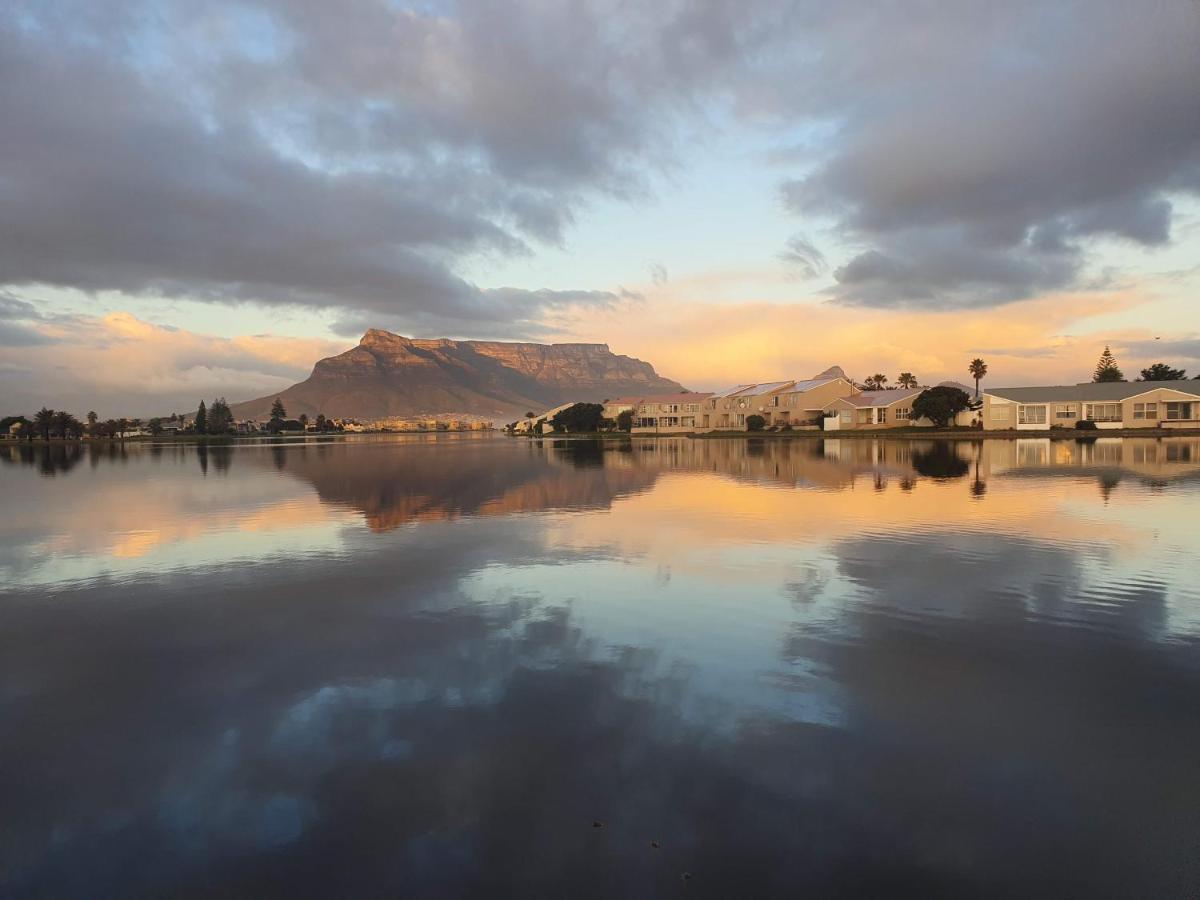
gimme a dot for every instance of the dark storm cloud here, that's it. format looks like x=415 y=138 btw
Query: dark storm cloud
x=358 y=156
x=301 y=154
x=981 y=147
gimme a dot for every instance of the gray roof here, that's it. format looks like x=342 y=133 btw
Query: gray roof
x=882 y=398
x=1108 y=391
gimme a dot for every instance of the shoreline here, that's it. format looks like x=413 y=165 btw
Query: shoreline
x=965 y=434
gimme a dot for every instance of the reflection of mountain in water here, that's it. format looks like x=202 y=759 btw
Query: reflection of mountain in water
x=395 y=483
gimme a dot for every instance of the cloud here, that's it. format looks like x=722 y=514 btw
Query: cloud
x=349 y=159
x=980 y=151
x=360 y=158
x=802 y=257
x=16 y=324
x=119 y=364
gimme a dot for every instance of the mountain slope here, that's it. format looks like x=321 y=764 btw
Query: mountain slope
x=390 y=375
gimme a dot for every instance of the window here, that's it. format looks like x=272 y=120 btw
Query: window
x=1031 y=415
x=1000 y=413
x=775 y=400
x=1145 y=410
x=1177 y=411
x=905 y=412
x=847 y=417
x=1104 y=412
x=882 y=415
x=1065 y=411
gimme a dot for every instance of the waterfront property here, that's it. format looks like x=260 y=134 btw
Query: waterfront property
x=890 y=408
x=795 y=403
x=667 y=412
x=1120 y=404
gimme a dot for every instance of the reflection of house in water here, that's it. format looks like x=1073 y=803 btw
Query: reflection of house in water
x=1153 y=460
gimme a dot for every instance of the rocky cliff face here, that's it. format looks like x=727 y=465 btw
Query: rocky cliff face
x=390 y=375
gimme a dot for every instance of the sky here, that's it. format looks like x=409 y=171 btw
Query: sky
x=201 y=200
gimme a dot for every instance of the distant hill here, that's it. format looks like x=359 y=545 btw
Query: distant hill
x=390 y=375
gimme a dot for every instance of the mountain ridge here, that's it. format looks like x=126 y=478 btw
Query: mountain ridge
x=388 y=375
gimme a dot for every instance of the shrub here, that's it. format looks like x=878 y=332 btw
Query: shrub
x=1085 y=425
x=755 y=422
x=939 y=404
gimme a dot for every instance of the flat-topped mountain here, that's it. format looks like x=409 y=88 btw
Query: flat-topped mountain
x=389 y=375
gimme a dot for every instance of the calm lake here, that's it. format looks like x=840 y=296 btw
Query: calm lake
x=473 y=666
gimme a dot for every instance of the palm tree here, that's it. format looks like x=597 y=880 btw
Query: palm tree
x=977 y=368
x=65 y=424
x=43 y=421
x=876 y=382
x=91 y=420
x=907 y=380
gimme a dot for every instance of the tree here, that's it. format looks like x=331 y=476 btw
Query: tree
x=201 y=423
x=907 y=380
x=67 y=425
x=43 y=421
x=977 y=368
x=625 y=420
x=304 y=420
x=322 y=422
x=755 y=423
x=939 y=404
x=156 y=426
x=876 y=382
x=91 y=420
x=278 y=413
x=529 y=415
x=1163 y=372
x=578 y=417
x=220 y=419
x=123 y=425
x=1107 y=369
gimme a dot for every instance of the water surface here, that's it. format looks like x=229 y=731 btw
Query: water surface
x=428 y=666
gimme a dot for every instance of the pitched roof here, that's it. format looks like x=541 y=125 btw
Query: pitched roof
x=676 y=397
x=733 y=391
x=801 y=386
x=1090 y=391
x=882 y=398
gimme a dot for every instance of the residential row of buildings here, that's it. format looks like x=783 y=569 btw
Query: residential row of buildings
x=831 y=401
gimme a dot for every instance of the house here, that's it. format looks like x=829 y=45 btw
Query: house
x=667 y=412
x=796 y=403
x=891 y=408
x=527 y=425
x=1113 y=404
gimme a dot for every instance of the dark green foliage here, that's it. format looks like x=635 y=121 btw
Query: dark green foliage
x=1107 y=369
x=278 y=413
x=1085 y=425
x=579 y=417
x=977 y=368
x=939 y=404
x=220 y=419
x=1163 y=372
x=625 y=420
x=201 y=423
x=755 y=422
